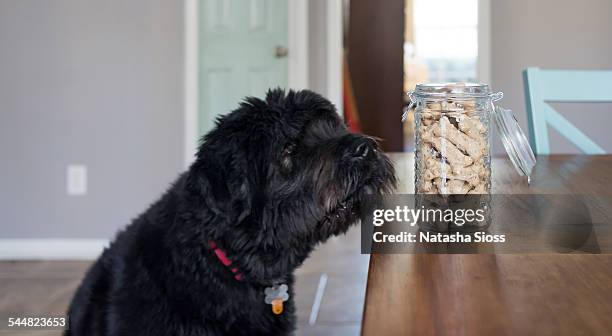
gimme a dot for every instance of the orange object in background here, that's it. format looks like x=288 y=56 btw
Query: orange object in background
x=351 y=116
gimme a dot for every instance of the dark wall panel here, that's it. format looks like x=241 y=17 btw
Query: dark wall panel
x=375 y=57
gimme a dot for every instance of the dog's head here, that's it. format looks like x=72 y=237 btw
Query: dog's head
x=282 y=175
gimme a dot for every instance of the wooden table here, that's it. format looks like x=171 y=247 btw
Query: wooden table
x=488 y=294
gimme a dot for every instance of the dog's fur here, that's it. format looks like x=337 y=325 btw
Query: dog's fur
x=271 y=181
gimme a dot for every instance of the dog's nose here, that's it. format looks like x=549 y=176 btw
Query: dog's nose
x=366 y=146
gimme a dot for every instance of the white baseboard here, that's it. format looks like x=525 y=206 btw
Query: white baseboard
x=51 y=249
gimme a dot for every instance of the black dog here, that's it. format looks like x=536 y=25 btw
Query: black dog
x=216 y=254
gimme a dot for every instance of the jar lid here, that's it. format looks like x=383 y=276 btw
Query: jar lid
x=515 y=142
x=452 y=90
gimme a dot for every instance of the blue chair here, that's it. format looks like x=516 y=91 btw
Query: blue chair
x=543 y=86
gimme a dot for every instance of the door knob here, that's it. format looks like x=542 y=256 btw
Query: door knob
x=280 y=52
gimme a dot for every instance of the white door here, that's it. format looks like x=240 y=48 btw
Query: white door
x=242 y=52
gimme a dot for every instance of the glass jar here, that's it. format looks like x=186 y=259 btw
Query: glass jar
x=453 y=151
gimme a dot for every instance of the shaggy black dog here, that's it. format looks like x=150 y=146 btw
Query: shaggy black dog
x=270 y=182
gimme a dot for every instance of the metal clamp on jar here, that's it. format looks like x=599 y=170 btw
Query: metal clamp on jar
x=453 y=151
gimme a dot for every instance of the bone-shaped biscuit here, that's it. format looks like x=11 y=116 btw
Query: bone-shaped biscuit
x=471 y=174
x=438 y=168
x=472 y=127
x=478 y=190
x=433 y=105
x=466 y=105
x=451 y=187
x=452 y=154
x=426 y=151
x=447 y=130
x=426 y=187
x=426 y=133
x=457 y=187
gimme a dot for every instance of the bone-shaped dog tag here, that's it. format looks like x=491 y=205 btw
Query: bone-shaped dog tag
x=275 y=296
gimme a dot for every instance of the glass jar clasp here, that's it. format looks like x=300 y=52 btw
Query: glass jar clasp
x=496 y=96
x=410 y=105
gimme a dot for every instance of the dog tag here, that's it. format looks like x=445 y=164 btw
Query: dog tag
x=275 y=296
x=277 y=306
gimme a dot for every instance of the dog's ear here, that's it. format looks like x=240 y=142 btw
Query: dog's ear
x=220 y=178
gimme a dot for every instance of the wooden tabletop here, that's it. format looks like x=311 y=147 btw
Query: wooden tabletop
x=497 y=294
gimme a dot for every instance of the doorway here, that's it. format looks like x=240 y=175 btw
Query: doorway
x=444 y=41
x=243 y=49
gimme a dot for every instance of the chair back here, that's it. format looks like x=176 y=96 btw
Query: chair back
x=564 y=86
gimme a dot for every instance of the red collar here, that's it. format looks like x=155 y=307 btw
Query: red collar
x=224 y=259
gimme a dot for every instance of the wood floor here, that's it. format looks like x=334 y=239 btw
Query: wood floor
x=336 y=270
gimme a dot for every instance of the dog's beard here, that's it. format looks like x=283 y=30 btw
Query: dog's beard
x=344 y=213
x=342 y=209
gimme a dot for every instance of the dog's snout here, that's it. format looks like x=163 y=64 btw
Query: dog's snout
x=364 y=148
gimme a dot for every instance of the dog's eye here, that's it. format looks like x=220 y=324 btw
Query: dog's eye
x=288 y=150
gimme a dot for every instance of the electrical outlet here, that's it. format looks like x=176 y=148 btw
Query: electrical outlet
x=76 y=180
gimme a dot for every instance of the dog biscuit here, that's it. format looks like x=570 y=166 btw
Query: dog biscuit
x=453 y=148
x=452 y=154
x=472 y=127
x=474 y=149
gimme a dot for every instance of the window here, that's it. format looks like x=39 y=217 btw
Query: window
x=440 y=45
x=444 y=39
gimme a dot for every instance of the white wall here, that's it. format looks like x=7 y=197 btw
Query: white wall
x=317 y=42
x=562 y=34
x=88 y=82
x=97 y=83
